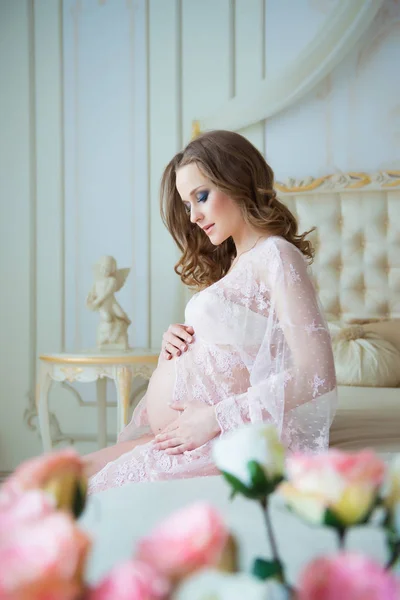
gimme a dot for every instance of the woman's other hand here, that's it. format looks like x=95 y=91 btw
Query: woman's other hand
x=176 y=340
x=196 y=425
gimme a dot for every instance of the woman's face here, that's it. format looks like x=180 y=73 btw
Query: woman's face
x=213 y=211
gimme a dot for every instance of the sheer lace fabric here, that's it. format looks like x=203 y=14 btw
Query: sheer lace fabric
x=262 y=353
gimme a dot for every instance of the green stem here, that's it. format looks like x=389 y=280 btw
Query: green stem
x=395 y=555
x=271 y=537
x=342 y=538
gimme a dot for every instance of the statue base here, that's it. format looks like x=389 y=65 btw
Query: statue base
x=113 y=335
x=113 y=347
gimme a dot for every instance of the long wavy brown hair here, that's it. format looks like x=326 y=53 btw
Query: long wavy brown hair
x=237 y=168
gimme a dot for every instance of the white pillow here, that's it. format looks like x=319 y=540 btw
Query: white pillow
x=363 y=358
x=387 y=329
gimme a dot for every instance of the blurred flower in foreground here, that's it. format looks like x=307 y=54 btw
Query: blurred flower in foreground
x=210 y=584
x=251 y=459
x=131 y=580
x=60 y=473
x=391 y=494
x=25 y=509
x=43 y=559
x=189 y=539
x=335 y=488
x=346 y=577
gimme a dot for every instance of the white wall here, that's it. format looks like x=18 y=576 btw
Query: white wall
x=106 y=198
x=351 y=122
x=31 y=205
x=96 y=97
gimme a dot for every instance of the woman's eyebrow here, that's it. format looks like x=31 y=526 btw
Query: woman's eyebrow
x=193 y=192
x=195 y=189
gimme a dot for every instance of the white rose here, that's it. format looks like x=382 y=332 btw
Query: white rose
x=259 y=443
x=221 y=586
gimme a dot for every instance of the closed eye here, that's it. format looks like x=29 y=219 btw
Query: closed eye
x=202 y=196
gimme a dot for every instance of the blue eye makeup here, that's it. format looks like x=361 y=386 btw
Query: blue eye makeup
x=202 y=196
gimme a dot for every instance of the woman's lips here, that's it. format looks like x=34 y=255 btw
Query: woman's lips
x=208 y=228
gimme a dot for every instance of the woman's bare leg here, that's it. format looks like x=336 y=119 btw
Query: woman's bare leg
x=95 y=461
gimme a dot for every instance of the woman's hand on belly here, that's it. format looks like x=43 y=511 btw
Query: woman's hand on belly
x=176 y=340
x=195 y=426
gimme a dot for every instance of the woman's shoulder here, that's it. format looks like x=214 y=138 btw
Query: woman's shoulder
x=277 y=258
x=279 y=247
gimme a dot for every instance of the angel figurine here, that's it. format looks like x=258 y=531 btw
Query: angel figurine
x=112 y=332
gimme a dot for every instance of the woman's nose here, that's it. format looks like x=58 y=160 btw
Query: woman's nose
x=195 y=215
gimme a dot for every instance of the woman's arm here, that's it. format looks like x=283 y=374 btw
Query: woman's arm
x=293 y=377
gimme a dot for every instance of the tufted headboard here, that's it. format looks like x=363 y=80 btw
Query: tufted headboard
x=357 y=240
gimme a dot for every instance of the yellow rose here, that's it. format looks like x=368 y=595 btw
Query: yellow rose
x=392 y=485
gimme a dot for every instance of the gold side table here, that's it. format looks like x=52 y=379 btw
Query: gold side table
x=89 y=367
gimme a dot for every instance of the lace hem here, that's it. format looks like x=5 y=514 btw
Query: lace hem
x=146 y=463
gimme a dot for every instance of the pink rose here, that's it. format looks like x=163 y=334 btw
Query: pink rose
x=346 y=576
x=43 y=560
x=345 y=483
x=131 y=580
x=189 y=539
x=36 y=472
x=25 y=509
x=58 y=473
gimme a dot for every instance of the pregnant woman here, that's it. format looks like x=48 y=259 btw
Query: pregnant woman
x=254 y=346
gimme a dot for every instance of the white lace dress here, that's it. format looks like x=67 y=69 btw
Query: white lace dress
x=262 y=353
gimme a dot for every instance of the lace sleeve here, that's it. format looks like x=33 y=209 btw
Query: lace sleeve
x=293 y=382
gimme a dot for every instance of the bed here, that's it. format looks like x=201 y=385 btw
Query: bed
x=357 y=274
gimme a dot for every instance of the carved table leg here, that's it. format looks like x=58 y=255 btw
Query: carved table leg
x=101 y=385
x=42 y=400
x=123 y=382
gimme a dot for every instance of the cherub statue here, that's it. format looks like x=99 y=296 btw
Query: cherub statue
x=112 y=332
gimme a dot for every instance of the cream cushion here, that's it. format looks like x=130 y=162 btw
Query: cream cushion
x=388 y=330
x=363 y=358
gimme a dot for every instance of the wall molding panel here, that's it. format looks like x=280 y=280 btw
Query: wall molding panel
x=348 y=22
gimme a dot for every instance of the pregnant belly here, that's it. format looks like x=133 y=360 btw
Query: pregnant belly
x=159 y=394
